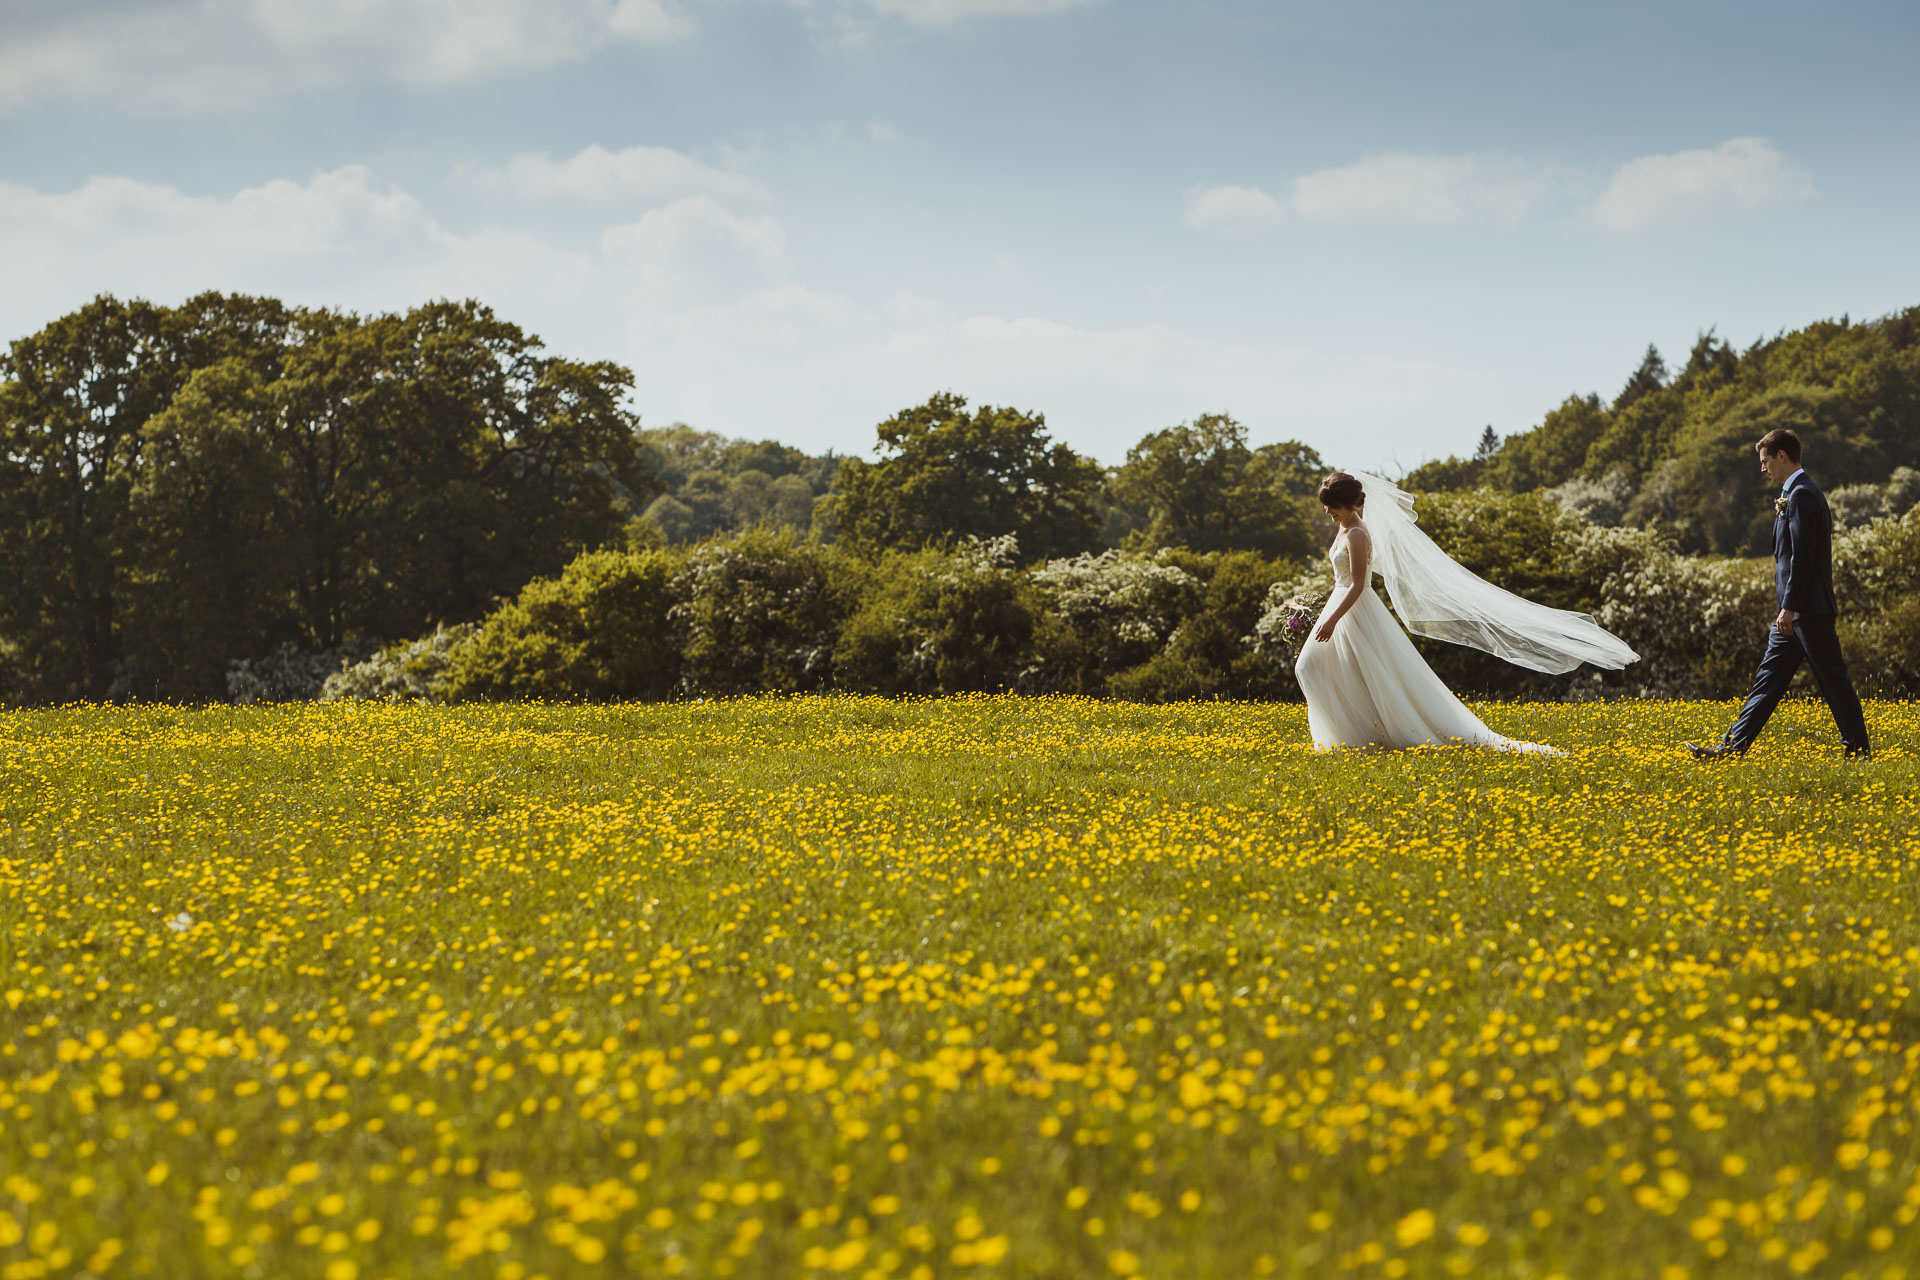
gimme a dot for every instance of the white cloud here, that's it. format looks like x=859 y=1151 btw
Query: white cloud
x=701 y=301
x=694 y=252
x=1388 y=187
x=1739 y=174
x=599 y=175
x=944 y=12
x=881 y=131
x=339 y=239
x=1231 y=206
x=1398 y=186
x=854 y=23
x=201 y=53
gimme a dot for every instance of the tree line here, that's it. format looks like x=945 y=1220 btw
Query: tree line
x=181 y=487
x=184 y=490
x=948 y=473
x=1668 y=453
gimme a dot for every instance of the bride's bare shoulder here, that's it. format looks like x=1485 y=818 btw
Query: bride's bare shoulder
x=1357 y=532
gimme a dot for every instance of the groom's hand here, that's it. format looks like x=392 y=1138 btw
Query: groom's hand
x=1784 y=623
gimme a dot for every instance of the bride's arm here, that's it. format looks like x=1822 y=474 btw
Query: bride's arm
x=1359 y=547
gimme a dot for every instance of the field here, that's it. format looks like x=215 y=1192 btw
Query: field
x=987 y=986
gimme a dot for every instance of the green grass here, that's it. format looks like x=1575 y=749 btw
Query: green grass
x=979 y=986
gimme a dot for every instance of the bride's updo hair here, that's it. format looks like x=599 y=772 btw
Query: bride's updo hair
x=1342 y=490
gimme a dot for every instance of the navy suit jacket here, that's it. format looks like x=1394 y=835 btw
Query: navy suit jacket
x=1803 y=550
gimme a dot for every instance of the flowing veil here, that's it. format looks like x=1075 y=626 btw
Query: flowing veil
x=1437 y=596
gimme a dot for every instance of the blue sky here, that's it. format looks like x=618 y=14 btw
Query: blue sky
x=1371 y=226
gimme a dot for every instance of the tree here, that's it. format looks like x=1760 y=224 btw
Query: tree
x=672 y=517
x=746 y=498
x=1289 y=468
x=675 y=452
x=1553 y=452
x=213 y=556
x=1710 y=364
x=75 y=399
x=1451 y=474
x=948 y=474
x=183 y=487
x=1651 y=376
x=789 y=503
x=768 y=456
x=432 y=462
x=1724 y=504
x=1199 y=486
x=1639 y=436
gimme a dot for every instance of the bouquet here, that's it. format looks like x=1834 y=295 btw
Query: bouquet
x=1296 y=619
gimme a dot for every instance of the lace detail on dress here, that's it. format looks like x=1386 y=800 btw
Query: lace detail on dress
x=1342 y=561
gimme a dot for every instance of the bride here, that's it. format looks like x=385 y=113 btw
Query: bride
x=1366 y=684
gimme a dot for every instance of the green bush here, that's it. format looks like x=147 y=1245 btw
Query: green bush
x=760 y=613
x=1699 y=625
x=934 y=623
x=1877 y=572
x=601 y=630
x=765 y=611
x=1107 y=613
x=1212 y=653
x=414 y=671
x=1883 y=650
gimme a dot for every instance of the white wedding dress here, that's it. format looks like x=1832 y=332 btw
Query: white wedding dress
x=1369 y=687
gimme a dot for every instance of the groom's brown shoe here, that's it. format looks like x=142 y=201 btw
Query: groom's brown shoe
x=1718 y=751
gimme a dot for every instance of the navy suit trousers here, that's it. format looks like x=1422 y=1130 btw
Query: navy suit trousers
x=1815 y=642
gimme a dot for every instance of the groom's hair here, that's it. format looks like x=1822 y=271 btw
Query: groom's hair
x=1780 y=440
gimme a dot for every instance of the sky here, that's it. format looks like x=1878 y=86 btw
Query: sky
x=1372 y=226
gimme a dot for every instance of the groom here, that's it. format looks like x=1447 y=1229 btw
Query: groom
x=1804 y=631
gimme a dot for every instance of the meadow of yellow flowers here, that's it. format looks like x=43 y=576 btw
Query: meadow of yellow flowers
x=981 y=986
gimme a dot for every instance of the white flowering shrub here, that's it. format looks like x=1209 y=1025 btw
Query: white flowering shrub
x=1698 y=625
x=1137 y=599
x=1902 y=491
x=1854 y=505
x=934 y=622
x=761 y=612
x=1214 y=652
x=1107 y=612
x=1857 y=505
x=1876 y=565
x=1876 y=572
x=288 y=674
x=1601 y=501
x=411 y=672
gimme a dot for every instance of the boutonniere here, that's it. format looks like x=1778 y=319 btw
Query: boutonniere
x=1780 y=505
